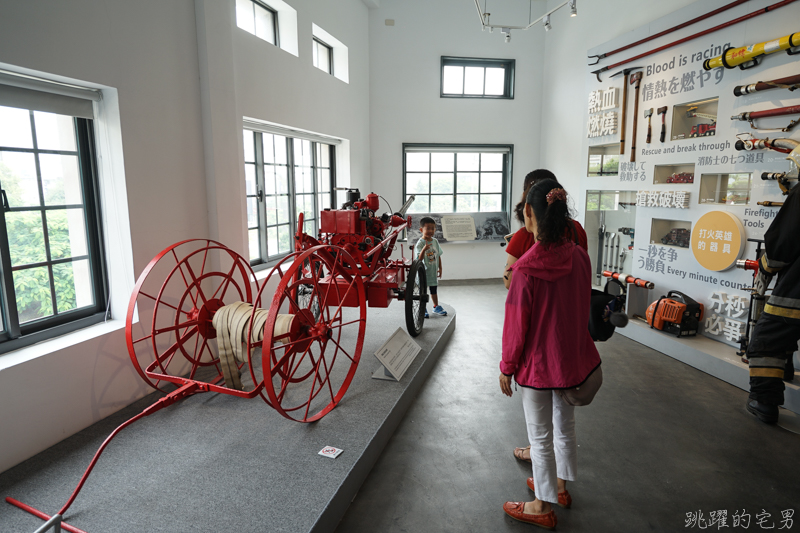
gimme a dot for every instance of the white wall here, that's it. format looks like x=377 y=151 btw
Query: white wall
x=405 y=105
x=185 y=76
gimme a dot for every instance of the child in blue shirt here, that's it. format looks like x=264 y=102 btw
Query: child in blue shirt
x=430 y=253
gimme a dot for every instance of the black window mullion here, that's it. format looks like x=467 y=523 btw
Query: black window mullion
x=314 y=188
x=41 y=210
x=9 y=298
x=261 y=185
x=292 y=199
x=332 y=174
x=455 y=182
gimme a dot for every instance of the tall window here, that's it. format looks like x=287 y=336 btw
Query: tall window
x=465 y=77
x=257 y=18
x=457 y=178
x=52 y=268
x=284 y=177
x=322 y=56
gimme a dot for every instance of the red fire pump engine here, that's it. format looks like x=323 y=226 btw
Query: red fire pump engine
x=198 y=316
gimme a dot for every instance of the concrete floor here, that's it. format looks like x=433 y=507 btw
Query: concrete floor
x=661 y=440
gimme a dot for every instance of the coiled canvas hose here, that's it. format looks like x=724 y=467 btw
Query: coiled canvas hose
x=232 y=323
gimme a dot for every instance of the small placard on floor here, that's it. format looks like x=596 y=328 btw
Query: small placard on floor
x=330 y=451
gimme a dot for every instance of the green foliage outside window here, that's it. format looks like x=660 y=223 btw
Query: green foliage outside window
x=26 y=245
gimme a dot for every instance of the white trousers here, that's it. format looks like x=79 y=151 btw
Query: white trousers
x=550 y=421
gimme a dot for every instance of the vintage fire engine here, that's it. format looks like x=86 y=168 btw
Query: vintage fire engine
x=199 y=319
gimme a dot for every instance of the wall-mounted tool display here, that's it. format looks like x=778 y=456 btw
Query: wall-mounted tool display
x=636 y=81
x=663 y=112
x=675 y=313
x=605 y=211
x=754 y=14
x=750 y=116
x=746 y=57
x=648 y=114
x=790 y=82
x=625 y=73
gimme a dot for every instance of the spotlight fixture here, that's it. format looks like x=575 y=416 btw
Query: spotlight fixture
x=508 y=37
x=547 y=25
x=573 y=9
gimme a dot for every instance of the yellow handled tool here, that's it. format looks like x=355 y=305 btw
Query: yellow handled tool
x=738 y=56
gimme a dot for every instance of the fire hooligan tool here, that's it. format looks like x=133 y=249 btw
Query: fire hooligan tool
x=625 y=72
x=636 y=81
x=648 y=114
x=663 y=112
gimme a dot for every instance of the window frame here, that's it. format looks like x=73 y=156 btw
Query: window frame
x=508 y=164
x=16 y=335
x=509 y=66
x=273 y=12
x=317 y=41
x=266 y=260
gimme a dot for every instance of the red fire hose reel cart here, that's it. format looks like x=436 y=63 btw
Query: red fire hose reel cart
x=296 y=336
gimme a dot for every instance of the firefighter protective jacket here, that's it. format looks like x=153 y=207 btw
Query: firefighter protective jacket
x=782 y=245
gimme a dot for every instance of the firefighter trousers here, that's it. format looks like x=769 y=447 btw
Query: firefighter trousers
x=773 y=343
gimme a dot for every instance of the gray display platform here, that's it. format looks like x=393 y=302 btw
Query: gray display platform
x=218 y=463
x=710 y=356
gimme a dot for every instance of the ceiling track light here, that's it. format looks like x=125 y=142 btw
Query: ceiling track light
x=544 y=19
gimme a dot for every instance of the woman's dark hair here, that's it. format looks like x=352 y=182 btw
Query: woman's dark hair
x=532 y=177
x=553 y=219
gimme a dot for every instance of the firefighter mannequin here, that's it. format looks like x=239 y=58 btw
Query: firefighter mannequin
x=774 y=338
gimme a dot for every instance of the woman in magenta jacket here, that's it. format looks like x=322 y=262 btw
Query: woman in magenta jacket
x=547 y=346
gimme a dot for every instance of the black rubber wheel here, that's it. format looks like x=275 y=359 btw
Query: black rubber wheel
x=416 y=298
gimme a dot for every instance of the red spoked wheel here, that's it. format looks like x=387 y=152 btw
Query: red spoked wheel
x=176 y=297
x=301 y=347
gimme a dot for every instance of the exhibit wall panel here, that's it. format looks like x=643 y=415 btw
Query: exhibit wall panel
x=698 y=160
x=680 y=71
x=564 y=110
x=406 y=107
x=147 y=51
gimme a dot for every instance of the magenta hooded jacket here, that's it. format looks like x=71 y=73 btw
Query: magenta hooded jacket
x=546 y=341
